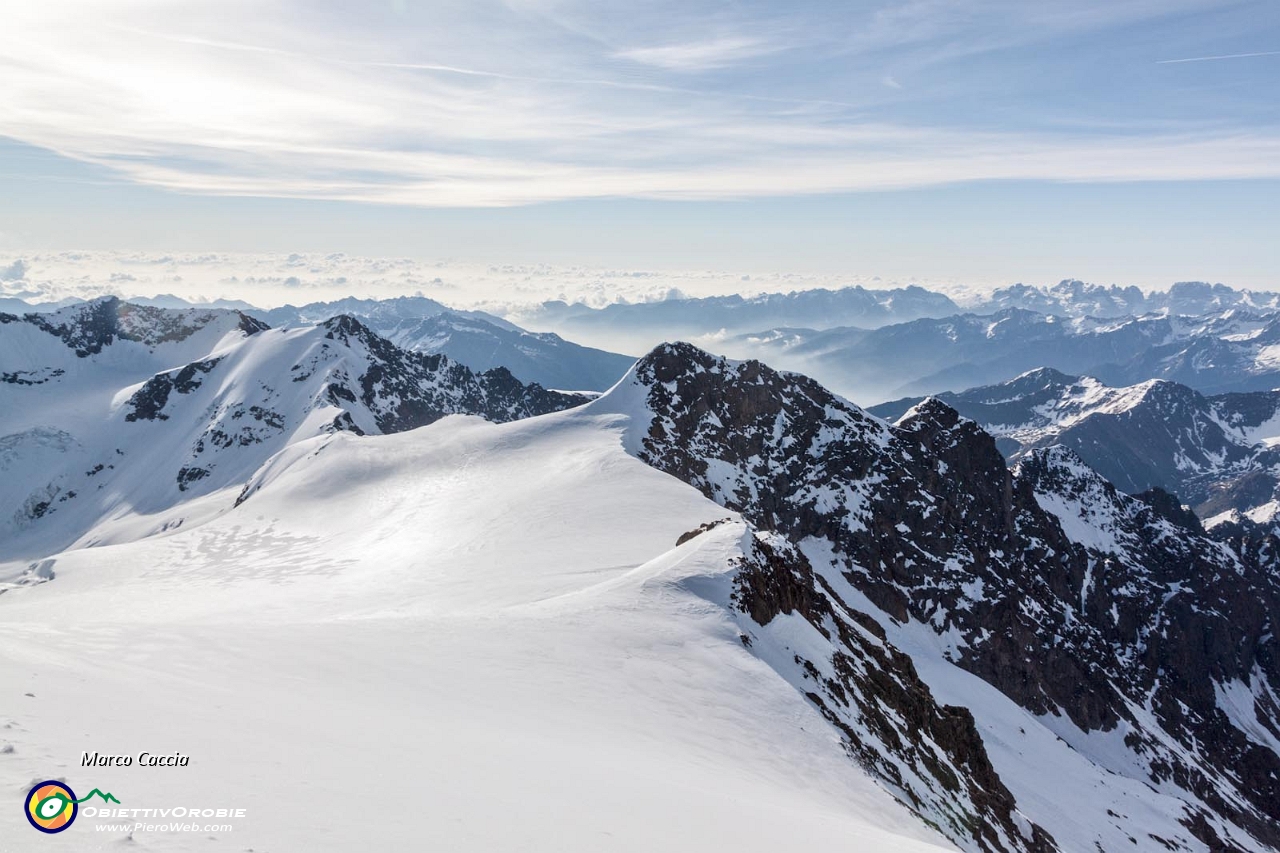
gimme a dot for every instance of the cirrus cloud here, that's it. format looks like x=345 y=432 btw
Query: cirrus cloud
x=482 y=103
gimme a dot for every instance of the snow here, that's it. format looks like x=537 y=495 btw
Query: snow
x=1268 y=357
x=1081 y=400
x=1238 y=700
x=1263 y=513
x=1267 y=432
x=485 y=630
x=1081 y=522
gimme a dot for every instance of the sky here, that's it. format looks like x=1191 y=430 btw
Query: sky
x=983 y=141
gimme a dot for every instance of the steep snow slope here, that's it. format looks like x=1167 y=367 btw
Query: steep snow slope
x=464 y=637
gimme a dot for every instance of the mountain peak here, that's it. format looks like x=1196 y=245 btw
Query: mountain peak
x=929 y=410
x=1046 y=375
x=88 y=327
x=667 y=360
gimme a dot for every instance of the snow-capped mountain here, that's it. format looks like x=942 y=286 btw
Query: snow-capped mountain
x=1216 y=453
x=1068 y=298
x=1232 y=351
x=1074 y=298
x=114 y=409
x=495 y=617
x=376 y=313
x=541 y=357
x=960 y=351
x=641 y=325
x=479 y=340
x=1109 y=620
x=716 y=592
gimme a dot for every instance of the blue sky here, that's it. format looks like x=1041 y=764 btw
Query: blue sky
x=1132 y=141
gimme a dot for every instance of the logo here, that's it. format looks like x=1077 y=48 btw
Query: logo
x=52 y=806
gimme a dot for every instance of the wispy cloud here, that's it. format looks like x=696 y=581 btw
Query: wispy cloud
x=701 y=55
x=480 y=102
x=1214 y=58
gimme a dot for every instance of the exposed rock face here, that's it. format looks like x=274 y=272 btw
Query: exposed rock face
x=148 y=402
x=1181 y=618
x=406 y=389
x=930 y=754
x=1069 y=597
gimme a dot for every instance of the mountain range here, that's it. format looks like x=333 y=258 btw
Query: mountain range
x=643 y=323
x=479 y=340
x=1215 y=452
x=871 y=345
x=112 y=407
x=1215 y=353
x=1074 y=298
x=717 y=590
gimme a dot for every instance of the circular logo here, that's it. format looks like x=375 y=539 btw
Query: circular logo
x=51 y=806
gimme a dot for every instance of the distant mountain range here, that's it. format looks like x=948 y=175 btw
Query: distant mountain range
x=1072 y=298
x=1236 y=350
x=862 y=308
x=870 y=345
x=646 y=323
x=479 y=340
x=1218 y=453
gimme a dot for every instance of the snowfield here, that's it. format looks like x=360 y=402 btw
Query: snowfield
x=465 y=637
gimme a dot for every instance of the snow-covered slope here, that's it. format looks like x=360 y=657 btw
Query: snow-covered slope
x=115 y=419
x=468 y=637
